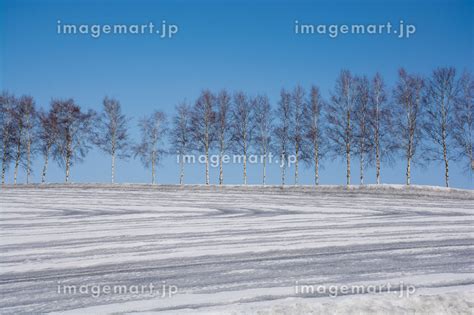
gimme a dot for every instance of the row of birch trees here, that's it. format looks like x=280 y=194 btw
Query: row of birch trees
x=419 y=120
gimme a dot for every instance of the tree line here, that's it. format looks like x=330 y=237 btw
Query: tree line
x=420 y=119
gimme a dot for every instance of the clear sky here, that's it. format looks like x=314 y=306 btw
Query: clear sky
x=247 y=45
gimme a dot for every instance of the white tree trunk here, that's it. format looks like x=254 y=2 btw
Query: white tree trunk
x=245 y=165
x=153 y=168
x=409 y=156
x=283 y=166
x=296 y=164
x=377 y=144
x=4 y=169
x=113 y=167
x=181 y=167
x=4 y=158
x=377 y=162
x=316 y=163
x=446 y=163
x=445 y=149
x=67 y=169
x=348 y=168
x=28 y=161
x=348 y=149
x=221 y=168
x=17 y=162
x=4 y=164
x=45 y=168
x=207 y=165
x=68 y=158
x=408 y=174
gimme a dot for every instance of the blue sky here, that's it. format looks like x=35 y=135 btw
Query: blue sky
x=247 y=45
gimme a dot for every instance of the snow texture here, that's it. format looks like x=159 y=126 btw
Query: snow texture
x=235 y=250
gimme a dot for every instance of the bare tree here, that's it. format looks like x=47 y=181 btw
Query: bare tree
x=463 y=123
x=203 y=125
x=24 y=115
x=47 y=136
x=181 y=135
x=242 y=128
x=112 y=132
x=30 y=117
x=153 y=130
x=338 y=116
x=223 y=124
x=263 y=129
x=7 y=132
x=74 y=129
x=363 y=143
x=443 y=90
x=298 y=104
x=314 y=141
x=284 y=115
x=409 y=95
x=17 y=135
x=381 y=121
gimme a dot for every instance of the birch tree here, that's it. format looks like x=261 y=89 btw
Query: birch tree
x=242 y=128
x=339 y=120
x=463 y=124
x=381 y=121
x=17 y=137
x=410 y=98
x=17 y=133
x=47 y=137
x=30 y=117
x=181 y=135
x=298 y=103
x=284 y=117
x=203 y=126
x=7 y=131
x=223 y=132
x=263 y=130
x=24 y=115
x=153 y=131
x=443 y=89
x=112 y=132
x=75 y=128
x=314 y=140
x=362 y=129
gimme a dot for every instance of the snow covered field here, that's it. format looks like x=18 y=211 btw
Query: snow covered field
x=235 y=250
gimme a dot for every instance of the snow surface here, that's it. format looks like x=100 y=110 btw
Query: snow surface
x=236 y=250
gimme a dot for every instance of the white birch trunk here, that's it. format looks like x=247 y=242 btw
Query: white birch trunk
x=45 y=168
x=153 y=156
x=113 y=168
x=28 y=161
x=283 y=166
x=264 y=175
x=68 y=158
x=348 y=149
x=17 y=162
x=221 y=167
x=181 y=167
x=245 y=165
x=296 y=164
x=207 y=165
x=4 y=160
